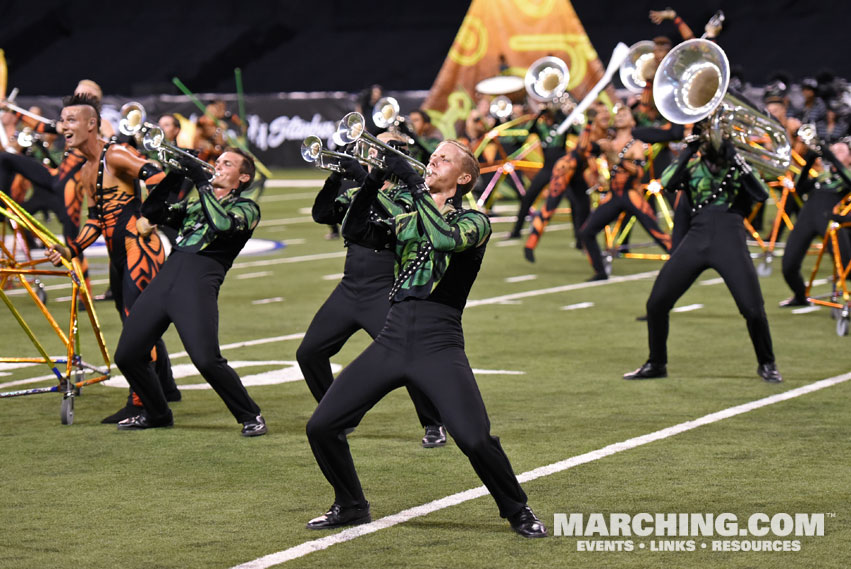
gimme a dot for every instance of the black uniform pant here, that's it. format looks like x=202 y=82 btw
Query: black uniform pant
x=185 y=292
x=715 y=240
x=359 y=302
x=133 y=261
x=422 y=343
x=631 y=202
x=536 y=186
x=812 y=222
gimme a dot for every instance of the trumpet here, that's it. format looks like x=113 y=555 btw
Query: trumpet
x=808 y=135
x=501 y=107
x=154 y=140
x=312 y=151
x=385 y=113
x=133 y=124
x=132 y=118
x=369 y=149
x=638 y=67
x=547 y=78
x=691 y=85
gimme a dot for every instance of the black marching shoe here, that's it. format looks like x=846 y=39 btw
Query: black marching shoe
x=124 y=413
x=793 y=301
x=142 y=421
x=435 y=436
x=527 y=524
x=598 y=277
x=339 y=516
x=648 y=371
x=254 y=427
x=529 y=254
x=769 y=372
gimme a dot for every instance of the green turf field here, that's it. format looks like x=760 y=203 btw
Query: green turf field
x=200 y=496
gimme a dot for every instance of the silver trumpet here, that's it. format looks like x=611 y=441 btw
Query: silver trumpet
x=638 y=67
x=385 y=113
x=501 y=107
x=546 y=80
x=691 y=85
x=808 y=135
x=369 y=149
x=312 y=151
x=152 y=138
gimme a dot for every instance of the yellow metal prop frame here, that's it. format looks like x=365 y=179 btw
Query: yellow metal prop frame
x=617 y=232
x=69 y=369
x=839 y=298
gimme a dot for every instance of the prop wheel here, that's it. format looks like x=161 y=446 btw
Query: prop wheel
x=40 y=292
x=607 y=265
x=66 y=412
x=842 y=327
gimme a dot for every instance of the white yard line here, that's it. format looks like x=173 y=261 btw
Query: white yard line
x=453 y=500
x=309 y=183
x=557 y=289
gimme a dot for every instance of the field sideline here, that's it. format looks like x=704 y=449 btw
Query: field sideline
x=548 y=349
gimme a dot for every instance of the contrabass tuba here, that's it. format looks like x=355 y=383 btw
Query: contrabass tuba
x=691 y=85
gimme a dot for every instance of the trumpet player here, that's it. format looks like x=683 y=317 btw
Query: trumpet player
x=359 y=302
x=212 y=232
x=572 y=175
x=719 y=187
x=108 y=179
x=439 y=248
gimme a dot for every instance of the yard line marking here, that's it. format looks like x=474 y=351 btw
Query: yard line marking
x=287 y=197
x=256 y=275
x=259 y=341
x=453 y=500
x=557 y=289
x=709 y=282
x=299 y=241
x=333 y=277
x=286 y=221
x=687 y=308
x=268 y=300
x=303 y=183
x=521 y=278
x=299 y=259
x=22 y=291
x=578 y=306
x=806 y=309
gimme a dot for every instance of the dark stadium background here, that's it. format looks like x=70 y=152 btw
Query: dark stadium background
x=333 y=45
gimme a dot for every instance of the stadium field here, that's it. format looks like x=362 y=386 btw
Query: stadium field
x=712 y=441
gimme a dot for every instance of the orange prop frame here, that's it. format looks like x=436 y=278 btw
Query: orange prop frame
x=69 y=369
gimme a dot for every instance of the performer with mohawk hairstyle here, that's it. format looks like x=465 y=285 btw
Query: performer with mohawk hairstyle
x=108 y=179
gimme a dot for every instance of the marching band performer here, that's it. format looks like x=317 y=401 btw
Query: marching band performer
x=544 y=125
x=212 y=232
x=625 y=160
x=360 y=299
x=108 y=179
x=575 y=172
x=828 y=188
x=719 y=187
x=439 y=248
